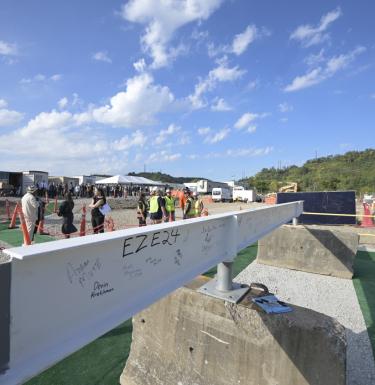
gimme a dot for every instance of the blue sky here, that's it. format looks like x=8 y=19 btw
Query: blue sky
x=211 y=88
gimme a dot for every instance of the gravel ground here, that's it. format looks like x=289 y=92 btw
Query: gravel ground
x=328 y=295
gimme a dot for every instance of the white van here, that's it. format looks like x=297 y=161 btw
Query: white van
x=222 y=194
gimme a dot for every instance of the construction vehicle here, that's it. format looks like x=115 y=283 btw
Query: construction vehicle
x=290 y=187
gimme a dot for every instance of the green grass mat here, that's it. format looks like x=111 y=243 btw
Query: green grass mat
x=99 y=363
x=244 y=258
x=364 y=284
x=102 y=361
x=14 y=237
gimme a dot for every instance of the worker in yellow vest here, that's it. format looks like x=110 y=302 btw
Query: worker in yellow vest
x=198 y=204
x=157 y=206
x=189 y=209
x=169 y=206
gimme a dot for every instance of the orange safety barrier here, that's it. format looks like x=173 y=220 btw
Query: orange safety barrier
x=110 y=224
x=7 y=207
x=204 y=213
x=12 y=224
x=82 y=230
x=270 y=199
x=207 y=200
x=26 y=236
x=367 y=220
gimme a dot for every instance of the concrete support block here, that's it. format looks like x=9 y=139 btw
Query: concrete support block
x=323 y=250
x=188 y=338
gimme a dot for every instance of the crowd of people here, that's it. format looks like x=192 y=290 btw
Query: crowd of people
x=162 y=206
x=159 y=205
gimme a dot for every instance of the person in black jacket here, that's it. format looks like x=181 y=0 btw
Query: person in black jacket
x=66 y=211
x=97 y=218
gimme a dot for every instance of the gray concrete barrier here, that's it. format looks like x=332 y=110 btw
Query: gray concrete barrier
x=323 y=250
x=188 y=338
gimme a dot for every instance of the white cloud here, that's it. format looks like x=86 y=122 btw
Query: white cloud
x=40 y=78
x=319 y=74
x=8 y=49
x=221 y=105
x=164 y=134
x=285 y=107
x=136 y=139
x=56 y=77
x=218 y=137
x=315 y=59
x=204 y=131
x=221 y=73
x=3 y=103
x=62 y=103
x=163 y=156
x=9 y=117
x=137 y=106
x=245 y=119
x=309 y=35
x=184 y=139
x=54 y=138
x=140 y=65
x=237 y=153
x=249 y=151
x=242 y=40
x=251 y=129
x=162 y=19
x=102 y=56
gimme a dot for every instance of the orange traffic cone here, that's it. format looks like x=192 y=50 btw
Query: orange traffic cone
x=26 y=236
x=12 y=224
x=82 y=230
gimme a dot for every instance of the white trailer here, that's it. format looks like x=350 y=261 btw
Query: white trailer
x=242 y=195
x=191 y=186
x=205 y=186
x=222 y=194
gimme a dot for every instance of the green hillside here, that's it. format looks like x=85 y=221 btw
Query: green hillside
x=354 y=170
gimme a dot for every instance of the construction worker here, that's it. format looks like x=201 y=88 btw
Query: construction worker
x=142 y=209
x=189 y=210
x=157 y=206
x=169 y=206
x=198 y=204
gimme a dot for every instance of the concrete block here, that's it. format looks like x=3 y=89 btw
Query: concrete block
x=326 y=250
x=188 y=338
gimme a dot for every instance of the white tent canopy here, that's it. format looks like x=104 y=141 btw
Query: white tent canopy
x=129 y=179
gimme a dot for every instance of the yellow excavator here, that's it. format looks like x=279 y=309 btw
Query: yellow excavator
x=290 y=187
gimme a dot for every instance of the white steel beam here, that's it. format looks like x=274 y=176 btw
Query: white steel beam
x=66 y=293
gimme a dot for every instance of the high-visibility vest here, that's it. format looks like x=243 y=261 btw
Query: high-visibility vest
x=191 y=212
x=154 y=204
x=198 y=206
x=169 y=203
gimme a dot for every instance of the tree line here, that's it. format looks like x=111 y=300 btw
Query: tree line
x=355 y=170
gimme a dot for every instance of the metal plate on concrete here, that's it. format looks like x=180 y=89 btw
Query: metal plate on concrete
x=232 y=296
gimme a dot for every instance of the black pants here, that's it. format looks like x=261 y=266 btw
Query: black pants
x=98 y=224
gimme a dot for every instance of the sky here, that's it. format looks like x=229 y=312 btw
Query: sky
x=210 y=88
